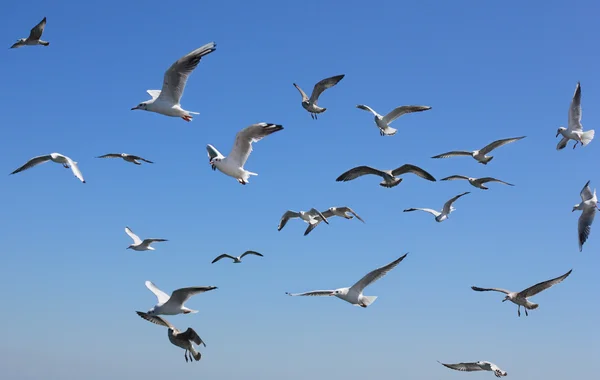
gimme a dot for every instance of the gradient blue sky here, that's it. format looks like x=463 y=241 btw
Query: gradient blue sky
x=490 y=70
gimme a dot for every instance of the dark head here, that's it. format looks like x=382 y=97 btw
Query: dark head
x=506 y=298
x=559 y=130
x=141 y=106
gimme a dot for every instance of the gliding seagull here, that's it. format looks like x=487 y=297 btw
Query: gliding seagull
x=313 y=217
x=310 y=104
x=127 y=157
x=383 y=122
x=446 y=210
x=575 y=129
x=477 y=182
x=238 y=259
x=342 y=212
x=389 y=176
x=480 y=155
x=139 y=244
x=34 y=37
x=589 y=204
x=476 y=366
x=173 y=305
x=54 y=157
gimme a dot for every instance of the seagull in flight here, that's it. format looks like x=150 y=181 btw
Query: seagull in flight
x=520 y=298
x=389 y=176
x=127 y=157
x=589 y=204
x=167 y=100
x=34 y=37
x=313 y=217
x=173 y=305
x=354 y=294
x=233 y=165
x=238 y=259
x=446 y=210
x=383 y=122
x=178 y=338
x=65 y=161
x=310 y=104
x=139 y=244
x=343 y=212
x=480 y=155
x=575 y=129
x=476 y=366
x=477 y=182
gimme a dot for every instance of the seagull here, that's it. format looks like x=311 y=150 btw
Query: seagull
x=520 y=298
x=476 y=366
x=310 y=104
x=343 y=212
x=575 y=130
x=589 y=204
x=389 y=176
x=446 y=210
x=166 y=101
x=138 y=244
x=477 y=182
x=480 y=155
x=233 y=165
x=236 y=260
x=354 y=294
x=34 y=37
x=178 y=338
x=127 y=157
x=313 y=217
x=174 y=305
x=383 y=122
x=54 y=157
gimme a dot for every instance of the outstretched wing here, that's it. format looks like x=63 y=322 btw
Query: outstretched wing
x=454 y=177
x=357 y=172
x=222 y=256
x=575 y=111
x=33 y=162
x=367 y=108
x=136 y=239
x=584 y=226
x=478 y=289
x=491 y=179
x=304 y=97
x=179 y=296
x=140 y=158
x=586 y=192
x=285 y=217
x=375 y=275
x=36 y=31
x=433 y=212
x=408 y=168
x=75 y=169
x=251 y=253
x=160 y=295
x=454 y=153
x=314 y=293
x=535 y=289
x=244 y=139
x=155 y=319
x=110 y=155
x=324 y=85
x=348 y=209
x=498 y=143
x=213 y=152
x=448 y=204
x=190 y=334
x=469 y=367
x=399 y=111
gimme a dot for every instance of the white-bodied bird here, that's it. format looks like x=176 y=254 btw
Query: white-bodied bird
x=589 y=204
x=477 y=182
x=65 y=161
x=127 y=157
x=390 y=177
x=310 y=104
x=575 y=129
x=174 y=304
x=476 y=366
x=238 y=259
x=383 y=122
x=139 y=244
x=446 y=210
x=313 y=217
x=34 y=37
x=480 y=155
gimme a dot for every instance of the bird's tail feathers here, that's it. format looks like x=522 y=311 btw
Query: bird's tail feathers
x=389 y=131
x=394 y=183
x=45 y=43
x=367 y=300
x=587 y=137
x=189 y=311
x=487 y=159
x=532 y=306
x=193 y=113
x=196 y=354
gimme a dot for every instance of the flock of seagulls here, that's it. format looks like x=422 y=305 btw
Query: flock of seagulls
x=167 y=101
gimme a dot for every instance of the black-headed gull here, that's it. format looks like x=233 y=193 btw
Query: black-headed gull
x=446 y=210
x=233 y=164
x=383 y=122
x=310 y=104
x=54 y=157
x=127 y=157
x=167 y=100
x=575 y=129
x=178 y=338
x=480 y=155
x=354 y=294
x=389 y=176
x=476 y=366
x=238 y=259
x=589 y=204
x=139 y=244
x=173 y=305
x=313 y=217
x=520 y=298
x=34 y=37
x=477 y=182
x=342 y=212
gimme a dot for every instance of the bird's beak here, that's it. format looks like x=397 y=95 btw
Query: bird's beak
x=134 y=108
x=127 y=247
x=332 y=294
x=557 y=133
x=504 y=300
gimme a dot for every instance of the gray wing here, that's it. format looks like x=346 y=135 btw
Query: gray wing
x=311 y=226
x=222 y=256
x=213 y=152
x=33 y=162
x=562 y=143
x=36 y=31
x=177 y=75
x=152 y=240
x=375 y=275
x=575 y=110
x=491 y=179
x=498 y=143
x=304 y=97
x=314 y=293
x=454 y=177
x=448 y=204
x=367 y=108
x=584 y=226
x=478 y=289
x=408 y=168
x=324 y=85
x=155 y=319
x=244 y=139
x=432 y=212
x=357 y=172
x=454 y=153
x=140 y=158
x=314 y=211
x=285 y=217
x=399 y=111
x=468 y=367
x=535 y=289
x=348 y=209
x=179 y=296
x=586 y=192
x=251 y=253
x=111 y=155
x=191 y=335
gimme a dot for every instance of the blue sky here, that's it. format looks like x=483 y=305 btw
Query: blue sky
x=489 y=70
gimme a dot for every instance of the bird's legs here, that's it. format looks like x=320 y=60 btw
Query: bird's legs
x=527 y=315
x=186 y=356
x=187 y=118
x=312 y=115
x=519 y=311
x=242 y=181
x=66 y=166
x=576 y=142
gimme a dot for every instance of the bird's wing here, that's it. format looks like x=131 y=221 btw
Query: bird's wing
x=33 y=162
x=575 y=111
x=357 y=172
x=160 y=295
x=304 y=97
x=75 y=169
x=399 y=111
x=285 y=217
x=535 y=289
x=586 y=192
x=251 y=253
x=311 y=226
x=327 y=213
x=469 y=367
x=244 y=139
x=322 y=86
x=498 y=143
x=491 y=179
x=136 y=239
x=367 y=108
x=140 y=158
x=454 y=153
x=318 y=214
x=155 y=319
x=348 y=209
x=191 y=335
x=454 y=177
x=562 y=143
x=222 y=256
x=213 y=152
x=36 y=31
x=110 y=155
x=408 y=168
x=314 y=293
x=478 y=289
x=448 y=204
x=584 y=225
x=375 y=275
x=177 y=75
x=179 y=296
x=433 y=212
x=152 y=240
